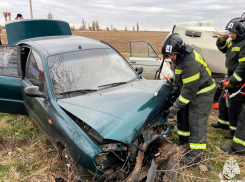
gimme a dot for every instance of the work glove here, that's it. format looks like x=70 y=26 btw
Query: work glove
x=223 y=38
x=176 y=88
x=173 y=111
x=228 y=85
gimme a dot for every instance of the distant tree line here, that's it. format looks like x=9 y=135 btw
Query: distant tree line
x=94 y=26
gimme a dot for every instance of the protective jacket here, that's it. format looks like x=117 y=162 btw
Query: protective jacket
x=235 y=58
x=196 y=98
x=235 y=63
x=194 y=76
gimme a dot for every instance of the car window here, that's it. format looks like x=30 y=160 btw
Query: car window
x=142 y=49
x=34 y=70
x=8 y=61
x=192 y=34
x=88 y=69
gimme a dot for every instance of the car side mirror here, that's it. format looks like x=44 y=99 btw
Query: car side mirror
x=33 y=91
x=139 y=70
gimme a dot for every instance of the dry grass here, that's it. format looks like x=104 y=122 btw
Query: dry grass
x=120 y=40
x=25 y=153
x=215 y=158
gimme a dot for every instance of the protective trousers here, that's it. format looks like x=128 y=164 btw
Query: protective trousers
x=183 y=124
x=229 y=115
x=239 y=138
x=193 y=121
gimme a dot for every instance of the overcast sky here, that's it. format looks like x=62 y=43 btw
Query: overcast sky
x=151 y=14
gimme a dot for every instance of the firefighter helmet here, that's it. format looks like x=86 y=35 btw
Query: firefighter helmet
x=235 y=26
x=242 y=17
x=173 y=44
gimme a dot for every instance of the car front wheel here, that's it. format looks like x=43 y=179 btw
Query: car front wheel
x=75 y=171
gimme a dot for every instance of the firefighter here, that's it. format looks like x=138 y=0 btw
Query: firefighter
x=228 y=117
x=238 y=144
x=197 y=88
x=238 y=77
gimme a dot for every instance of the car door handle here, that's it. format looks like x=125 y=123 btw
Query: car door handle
x=132 y=61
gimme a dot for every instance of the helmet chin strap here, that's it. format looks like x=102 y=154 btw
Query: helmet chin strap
x=179 y=57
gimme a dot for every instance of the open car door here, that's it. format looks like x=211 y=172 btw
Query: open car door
x=143 y=54
x=11 y=100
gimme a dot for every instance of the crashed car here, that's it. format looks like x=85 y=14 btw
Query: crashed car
x=98 y=112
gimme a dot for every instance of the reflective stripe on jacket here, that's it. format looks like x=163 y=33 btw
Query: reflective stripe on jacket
x=194 y=76
x=235 y=58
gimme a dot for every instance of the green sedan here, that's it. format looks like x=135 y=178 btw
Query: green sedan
x=94 y=107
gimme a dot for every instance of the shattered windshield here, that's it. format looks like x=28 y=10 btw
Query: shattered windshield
x=87 y=71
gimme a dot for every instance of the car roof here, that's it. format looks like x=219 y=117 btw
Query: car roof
x=60 y=44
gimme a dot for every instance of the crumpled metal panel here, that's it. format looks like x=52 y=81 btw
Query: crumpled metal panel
x=120 y=113
x=151 y=172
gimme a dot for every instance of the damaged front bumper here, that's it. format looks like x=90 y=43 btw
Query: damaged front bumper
x=134 y=175
x=125 y=162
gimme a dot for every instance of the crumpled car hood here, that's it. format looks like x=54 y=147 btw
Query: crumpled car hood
x=120 y=113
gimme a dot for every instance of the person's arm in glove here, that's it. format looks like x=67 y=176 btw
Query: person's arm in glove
x=238 y=76
x=223 y=38
x=228 y=85
x=222 y=43
x=173 y=111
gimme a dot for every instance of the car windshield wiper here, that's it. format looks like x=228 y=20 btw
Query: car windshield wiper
x=79 y=91
x=113 y=84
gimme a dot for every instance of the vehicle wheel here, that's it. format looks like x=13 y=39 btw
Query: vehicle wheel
x=75 y=172
x=85 y=174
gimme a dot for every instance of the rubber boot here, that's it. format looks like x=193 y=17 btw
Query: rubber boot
x=219 y=125
x=231 y=150
x=193 y=157
x=182 y=140
x=230 y=135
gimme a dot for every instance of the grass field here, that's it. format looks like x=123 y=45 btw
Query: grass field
x=26 y=154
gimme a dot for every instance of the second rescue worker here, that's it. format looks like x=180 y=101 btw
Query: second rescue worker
x=192 y=75
x=234 y=50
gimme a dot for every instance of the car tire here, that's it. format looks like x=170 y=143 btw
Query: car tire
x=75 y=171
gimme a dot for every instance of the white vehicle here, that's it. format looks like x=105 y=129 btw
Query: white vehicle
x=142 y=54
x=201 y=35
